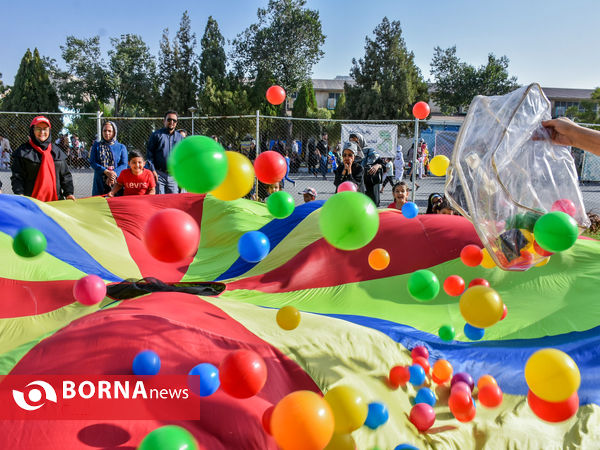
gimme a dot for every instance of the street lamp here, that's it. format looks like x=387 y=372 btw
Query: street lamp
x=192 y=109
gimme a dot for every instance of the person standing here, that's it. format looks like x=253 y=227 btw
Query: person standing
x=350 y=170
x=160 y=145
x=108 y=158
x=39 y=168
x=399 y=164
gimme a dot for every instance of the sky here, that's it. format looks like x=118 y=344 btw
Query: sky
x=550 y=42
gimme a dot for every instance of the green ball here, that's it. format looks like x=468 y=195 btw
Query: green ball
x=198 y=163
x=423 y=285
x=556 y=231
x=349 y=220
x=169 y=437
x=29 y=242
x=280 y=204
x=446 y=333
x=529 y=220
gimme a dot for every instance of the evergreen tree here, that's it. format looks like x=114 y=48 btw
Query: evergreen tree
x=340 y=107
x=32 y=90
x=212 y=58
x=306 y=101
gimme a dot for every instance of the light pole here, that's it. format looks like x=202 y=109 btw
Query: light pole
x=192 y=109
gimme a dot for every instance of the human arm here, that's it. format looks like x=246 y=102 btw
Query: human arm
x=121 y=162
x=66 y=181
x=17 y=179
x=95 y=158
x=566 y=132
x=116 y=188
x=376 y=166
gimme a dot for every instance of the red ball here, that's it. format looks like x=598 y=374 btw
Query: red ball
x=490 y=395
x=421 y=110
x=565 y=205
x=270 y=167
x=540 y=251
x=471 y=255
x=460 y=386
x=422 y=416
x=419 y=350
x=399 y=376
x=553 y=412
x=460 y=402
x=172 y=235
x=454 y=285
x=243 y=373
x=466 y=416
x=504 y=312
x=266 y=419
x=423 y=363
x=275 y=95
x=479 y=282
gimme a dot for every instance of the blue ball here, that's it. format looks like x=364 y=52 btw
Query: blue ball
x=410 y=210
x=146 y=362
x=405 y=447
x=417 y=375
x=204 y=379
x=473 y=333
x=425 y=395
x=253 y=246
x=377 y=416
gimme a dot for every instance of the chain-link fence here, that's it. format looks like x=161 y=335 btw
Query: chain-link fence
x=312 y=146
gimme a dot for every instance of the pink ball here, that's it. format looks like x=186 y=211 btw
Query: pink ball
x=89 y=290
x=460 y=386
x=347 y=186
x=420 y=350
x=422 y=416
x=565 y=205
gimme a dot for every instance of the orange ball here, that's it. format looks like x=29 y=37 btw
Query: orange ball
x=442 y=370
x=302 y=420
x=379 y=259
x=486 y=379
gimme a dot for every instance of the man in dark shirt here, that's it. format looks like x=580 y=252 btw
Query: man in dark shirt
x=160 y=145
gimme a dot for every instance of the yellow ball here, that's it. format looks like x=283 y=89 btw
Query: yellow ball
x=349 y=408
x=239 y=179
x=341 y=442
x=529 y=236
x=481 y=306
x=552 y=375
x=288 y=318
x=487 y=260
x=439 y=165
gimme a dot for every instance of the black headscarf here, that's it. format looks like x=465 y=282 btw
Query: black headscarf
x=43 y=145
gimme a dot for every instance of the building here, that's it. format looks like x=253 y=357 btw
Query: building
x=328 y=92
x=563 y=98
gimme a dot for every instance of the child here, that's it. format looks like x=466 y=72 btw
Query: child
x=443 y=207
x=136 y=180
x=400 y=195
x=432 y=201
x=388 y=175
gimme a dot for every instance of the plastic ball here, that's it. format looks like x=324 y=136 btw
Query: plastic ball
x=442 y=370
x=270 y=167
x=504 y=312
x=486 y=261
x=253 y=246
x=556 y=231
x=242 y=373
x=280 y=204
x=203 y=379
x=421 y=110
x=169 y=437
x=199 y=164
x=349 y=408
x=410 y=210
x=146 y=362
x=275 y=95
x=378 y=415
x=422 y=416
x=341 y=441
x=288 y=317
x=490 y=395
x=89 y=290
x=481 y=306
x=425 y=395
x=419 y=350
x=486 y=379
x=171 y=235
x=239 y=179
x=465 y=378
x=454 y=285
x=423 y=285
x=266 y=419
x=399 y=376
x=347 y=186
x=423 y=362
x=446 y=333
x=349 y=220
x=553 y=411
x=565 y=205
x=417 y=375
x=460 y=402
x=379 y=259
x=405 y=447
x=302 y=420
x=466 y=416
x=479 y=282
x=552 y=375
x=439 y=165
x=540 y=251
x=471 y=255
x=473 y=333
x=29 y=242
x=460 y=386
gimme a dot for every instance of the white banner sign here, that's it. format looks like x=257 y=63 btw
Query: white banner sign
x=383 y=138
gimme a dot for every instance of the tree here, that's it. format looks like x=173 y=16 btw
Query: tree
x=306 y=101
x=212 y=59
x=456 y=82
x=32 y=90
x=388 y=82
x=587 y=111
x=340 y=107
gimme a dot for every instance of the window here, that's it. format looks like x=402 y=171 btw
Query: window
x=333 y=99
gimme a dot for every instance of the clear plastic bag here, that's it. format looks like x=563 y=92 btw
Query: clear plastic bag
x=505 y=173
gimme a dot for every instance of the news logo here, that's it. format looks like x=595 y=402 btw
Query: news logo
x=35 y=396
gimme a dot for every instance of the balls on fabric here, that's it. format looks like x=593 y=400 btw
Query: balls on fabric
x=442 y=370
x=266 y=419
x=242 y=373
x=486 y=379
x=253 y=246
x=288 y=317
x=425 y=395
x=481 y=306
x=446 y=333
x=280 y=204
x=203 y=379
x=29 y=242
x=552 y=375
x=471 y=255
x=377 y=415
x=239 y=179
x=490 y=395
x=417 y=375
x=553 y=411
x=410 y=210
x=270 y=167
x=419 y=350
x=169 y=437
x=473 y=333
x=479 y=282
x=423 y=285
x=422 y=416
x=89 y=290
x=463 y=377
x=348 y=406
x=146 y=362
x=379 y=259
x=454 y=285
x=171 y=235
x=556 y=231
x=399 y=376
x=341 y=441
x=423 y=362
x=487 y=261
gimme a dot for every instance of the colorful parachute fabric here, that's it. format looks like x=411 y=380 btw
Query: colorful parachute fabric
x=356 y=322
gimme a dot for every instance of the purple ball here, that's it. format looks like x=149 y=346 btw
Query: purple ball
x=465 y=378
